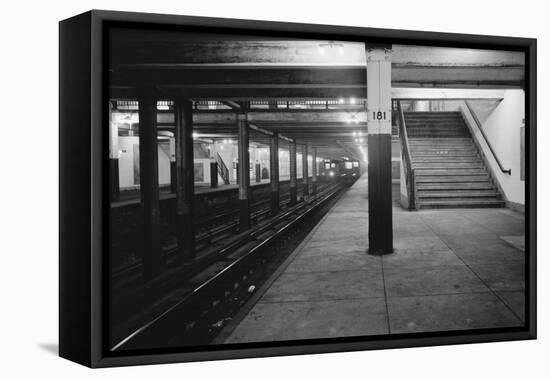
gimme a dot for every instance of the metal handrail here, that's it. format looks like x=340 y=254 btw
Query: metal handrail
x=479 y=126
x=222 y=169
x=409 y=171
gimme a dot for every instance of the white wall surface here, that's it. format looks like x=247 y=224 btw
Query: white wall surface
x=502 y=128
x=126 y=163
x=28 y=273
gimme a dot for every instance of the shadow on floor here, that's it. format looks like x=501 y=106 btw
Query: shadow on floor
x=51 y=348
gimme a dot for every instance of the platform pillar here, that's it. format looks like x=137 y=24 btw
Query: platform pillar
x=213 y=173
x=274 y=176
x=185 y=184
x=244 y=169
x=173 y=166
x=379 y=149
x=293 y=179
x=305 y=173
x=114 y=184
x=314 y=171
x=149 y=183
x=258 y=171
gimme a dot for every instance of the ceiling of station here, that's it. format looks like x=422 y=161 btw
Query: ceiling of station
x=243 y=68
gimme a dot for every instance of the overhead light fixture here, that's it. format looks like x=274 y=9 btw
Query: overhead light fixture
x=354 y=133
x=195 y=135
x=340 y=100
x=352 y=100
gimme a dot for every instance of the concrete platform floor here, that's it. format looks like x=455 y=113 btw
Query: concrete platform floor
x=451 y=270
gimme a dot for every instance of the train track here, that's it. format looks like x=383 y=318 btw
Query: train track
x=209 y=229
x=204 y=309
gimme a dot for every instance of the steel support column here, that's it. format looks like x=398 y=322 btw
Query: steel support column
x=185 y=185
x=149 y=183
x=274 y=174
x=244 y=169
x=173 y=166
x=379 y=149
x=213 y=173
x=305 y=174
x=314 y=171
x=293 y=180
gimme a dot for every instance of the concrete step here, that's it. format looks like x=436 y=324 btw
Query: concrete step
x=450 y=172
x=446 y=165
x=447 y=142
x=460 y=203
x=453 y=141
x=454 y=194
x=433 y=179
x=436 y=134
x=446 y=158
x=435 y=125
x=439 y=140
x=443 y=151
x=432 y=114
x=428 y=186
x=434 y=129
x=433 y=121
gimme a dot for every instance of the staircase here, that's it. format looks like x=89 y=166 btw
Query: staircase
x=448 y=171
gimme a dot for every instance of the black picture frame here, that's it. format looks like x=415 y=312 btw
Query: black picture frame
x=84 y=190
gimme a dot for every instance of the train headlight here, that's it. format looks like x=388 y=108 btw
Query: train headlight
x=331 y=173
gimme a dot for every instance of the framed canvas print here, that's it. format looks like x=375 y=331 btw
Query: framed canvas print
x=234 y=188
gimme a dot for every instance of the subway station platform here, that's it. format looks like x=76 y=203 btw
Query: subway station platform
x=452 y=269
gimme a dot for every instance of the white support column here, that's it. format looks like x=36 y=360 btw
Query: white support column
x=114 y=186
x=379 y=148
x=379 y=90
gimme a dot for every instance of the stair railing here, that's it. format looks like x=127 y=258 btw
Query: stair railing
x=223 y=171
x=407 y=159
x=479 y=126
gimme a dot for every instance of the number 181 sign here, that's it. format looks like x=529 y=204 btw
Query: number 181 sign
x=379 y=116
